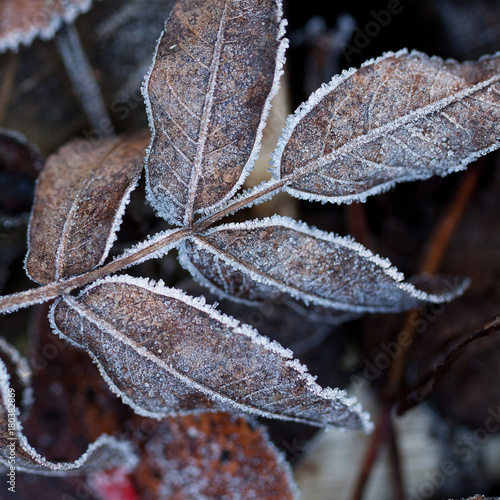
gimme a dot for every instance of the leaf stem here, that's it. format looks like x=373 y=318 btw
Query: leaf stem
x=10 y=303
x=433 y=256
x=247 y=198
x=81 y=76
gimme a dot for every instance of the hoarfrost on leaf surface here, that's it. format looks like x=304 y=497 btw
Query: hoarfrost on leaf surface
x=106 y=452
x=213 y=455
x=79 y=204
x=21 y=21
x=402 y=117
x=165 y=352
x=208 y=93
x=263 y=259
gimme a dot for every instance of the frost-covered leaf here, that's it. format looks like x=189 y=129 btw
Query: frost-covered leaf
x=293 y=325
x=402 y=117
x=23 y=20
x=20 y=375
x=79 y=203
x=212 y=455
x=216 y=68
x=15 y=452
x=164 y=352
x=261 y=260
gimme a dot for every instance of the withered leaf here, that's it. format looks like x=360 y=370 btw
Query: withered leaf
x=292 y=325
x=212 y=455
x=164 y=352
x=402 y=117
x=105 y=452
x=23 y=20
x=208 y=93
x=79 y=203
x=20 y=376
x=263 y=259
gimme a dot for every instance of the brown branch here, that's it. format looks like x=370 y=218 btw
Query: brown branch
x=395 y=462
x=433 y=257
x=419 y=393
x=438 y=243
x=377 y=440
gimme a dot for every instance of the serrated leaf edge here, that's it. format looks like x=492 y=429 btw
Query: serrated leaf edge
x=280 y=61
x=128 y=461
x=344 y=241
x=336 y=396
x=294 y=119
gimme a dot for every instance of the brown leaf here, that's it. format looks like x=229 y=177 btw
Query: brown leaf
x=295 y=327
x=212 y=455
x=15 y=452
x=73 y=404
x=79 y=203
x=208 y=93
x=228 y=454
x=175 y=354
x=262 y=260
x=402 y=117
x=23 y=20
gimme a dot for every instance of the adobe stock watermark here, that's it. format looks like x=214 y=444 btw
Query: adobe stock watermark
x=389 y=351
x=121 y=109
x=463 y=450
x=379 y=20
x=12 y=440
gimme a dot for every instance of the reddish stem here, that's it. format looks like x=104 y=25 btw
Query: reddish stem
x=438 y=243
x=377 y=441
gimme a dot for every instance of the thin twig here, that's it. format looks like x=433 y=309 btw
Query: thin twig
x=377 y=440
x=423 y=389
x=442 y=234
x=439 y=240
x=82 y=78
x=395 y=461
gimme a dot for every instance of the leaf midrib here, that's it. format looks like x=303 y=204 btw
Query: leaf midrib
x=384 y=129
x=99 y=322
x=196 y=171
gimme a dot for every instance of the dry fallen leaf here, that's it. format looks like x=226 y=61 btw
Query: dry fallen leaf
x=212 y=455
x=23 y=20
